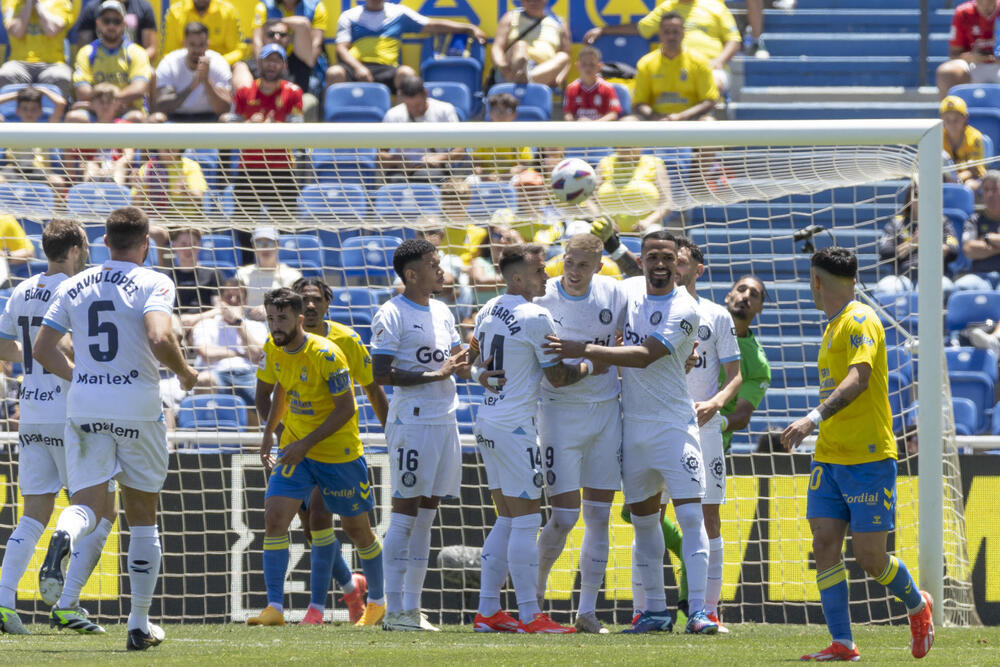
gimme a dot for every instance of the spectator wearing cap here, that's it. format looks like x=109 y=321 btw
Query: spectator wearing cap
x=266 y=273
x=265 y=177
x=417 y=107
x=193 y=83
x=37 y=30
x=307 y=22
x=140 y=25
x=225 y=34
x=114 y=59
x=962 y=142
x=296 y=38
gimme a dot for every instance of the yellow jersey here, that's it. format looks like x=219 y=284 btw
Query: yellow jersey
x=554 y=267
x=173 y=172
x=36 y=46
x=224 y=32
x=359 y=362
x=629 y=188
x=708 y=25
x=862 y=431
x=671 y=85
x=970 y=149
x=500 y=161
x=121 y=66
x=312 y=378
x=12 y=236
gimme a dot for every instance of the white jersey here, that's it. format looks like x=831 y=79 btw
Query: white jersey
x=512 y=330
x=596 y=318
x=659 y=392
x=716 y=346
x=116 y=374
x=42 y=395
x=420 y=338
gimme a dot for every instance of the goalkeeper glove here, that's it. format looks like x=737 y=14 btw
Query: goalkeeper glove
x=604 y=229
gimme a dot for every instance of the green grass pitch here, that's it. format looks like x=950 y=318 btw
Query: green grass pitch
x=748 y=644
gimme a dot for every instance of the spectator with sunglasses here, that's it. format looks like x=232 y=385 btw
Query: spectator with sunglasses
x=296 y=37
x=140 y=25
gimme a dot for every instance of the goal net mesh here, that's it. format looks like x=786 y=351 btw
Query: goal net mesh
x=339 y=213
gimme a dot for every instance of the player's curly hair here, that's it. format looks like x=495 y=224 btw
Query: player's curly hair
x=836 y=261
x=318 y=283
x=409 y=251
x=283 y=298
x=692 y=247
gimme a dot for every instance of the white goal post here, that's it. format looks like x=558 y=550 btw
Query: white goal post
x=756 y=138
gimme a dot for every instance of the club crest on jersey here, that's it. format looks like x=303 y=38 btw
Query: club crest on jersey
x=605 y=316
x=538 y=480
x=656 y=318
x=409 y=479
x=687 y=327
x=704 y=332
x=304 y=373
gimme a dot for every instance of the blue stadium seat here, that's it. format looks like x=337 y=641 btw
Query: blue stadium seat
x=970 y=359
x=624 y=97
x=356 y=102
x=369 y=258
x=956 y=195
x=349 y=298
x=528 y=95
x=99 y=254
x=800 y=349
x=454 y=93
x=623 y=48
x=633 y=243
x=773 y=216
x=467 y=70
x=902 y=362
x=302 y=251
x=901 y=307
x=27 y=198
x=404 y=200
x=786 y=405
x=487 y=197
x=346 y=166
x=986 y=121
x=218 y=251
x=966 y=307
x=900 y=399
x=967 y=422
x=96 y=199
x=221 y=412
x=359 y=319
x=531 y=114
x=976 y=387
x=978 y=94
x=988 y=149
x=339 y=201
x=794 y=375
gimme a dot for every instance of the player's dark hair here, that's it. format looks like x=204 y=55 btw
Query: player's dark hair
x=657 y=235
x=504 y=101
x=411 y=86
x=512 y=256
x=29 y=95
x=755 y=278
x=671 y=16
x=127 y=227
x=692 y=247
x=195 y=28
x=836 y=261
x=318 y=283
x=283 y=298
x=59 y=236
x=409 y=251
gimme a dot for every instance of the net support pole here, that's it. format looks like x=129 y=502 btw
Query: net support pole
x=930 y=372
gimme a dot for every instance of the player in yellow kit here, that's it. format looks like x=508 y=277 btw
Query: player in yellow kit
x=853 y=478
x=320 y=446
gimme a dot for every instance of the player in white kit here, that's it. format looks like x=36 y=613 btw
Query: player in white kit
x=42 y=459
x=660 y=449
x=510 y=333
x=580 y=426
x=114 y=426
x=717 y=350
x=416 y=349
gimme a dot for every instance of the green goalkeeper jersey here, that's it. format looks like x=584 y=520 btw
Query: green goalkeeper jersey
x=756 y=374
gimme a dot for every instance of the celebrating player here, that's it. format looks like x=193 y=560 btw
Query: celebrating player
x=325 y=560
x=510 y=334
x=580 y=427
x=416 y=348
x=320 y=445
x=744 y=302
x=718 y=356
x=660 y=449
x=114 y=426
x=853 y=477
x=42 y=464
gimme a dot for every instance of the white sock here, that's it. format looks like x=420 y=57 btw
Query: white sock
x=638 y=594
x=648 y=557
x=78 y=521
x=713 y=588
x=493 y=573
x=420 y=553
x=593 y=553
x=694 y=547
x=849 y=643
x=395 y=558
x=552 y=540
x=83 y=560
x=20 y=549
x=143 y=572
x=522 y=561
x=349 y=587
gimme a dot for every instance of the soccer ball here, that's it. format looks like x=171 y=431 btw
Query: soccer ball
x=573 y=180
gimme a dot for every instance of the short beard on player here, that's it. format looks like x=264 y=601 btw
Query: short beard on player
x=659 y=283
x=281 y=338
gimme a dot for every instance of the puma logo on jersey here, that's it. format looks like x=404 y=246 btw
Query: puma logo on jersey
x=418 y=326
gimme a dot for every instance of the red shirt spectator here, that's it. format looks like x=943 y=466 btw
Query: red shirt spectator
x=594 y=102
x=283 y=104
x=971 y=31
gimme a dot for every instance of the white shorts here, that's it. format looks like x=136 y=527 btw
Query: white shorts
x=983 y=72
x=659 y=457
x=511 y=458
x=132 y=452
x=710 y=437
x=581 y=445
x=425 y=459
x=41 y=463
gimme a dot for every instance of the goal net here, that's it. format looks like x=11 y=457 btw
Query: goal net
x=333 y=201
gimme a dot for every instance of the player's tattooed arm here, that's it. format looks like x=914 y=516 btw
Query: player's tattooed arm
x=385 y=373
x=849 y=389
x=561 y=375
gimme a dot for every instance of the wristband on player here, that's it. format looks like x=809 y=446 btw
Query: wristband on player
x=814 y=416
x=590 y=366
x=725 y=423
x=476 y=372
x=619 y=252
x=613 y=245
